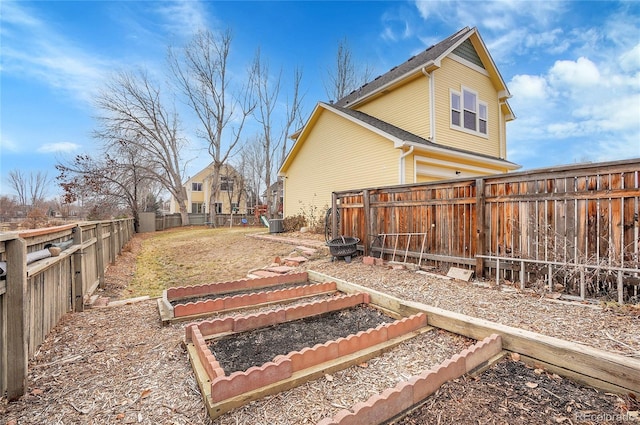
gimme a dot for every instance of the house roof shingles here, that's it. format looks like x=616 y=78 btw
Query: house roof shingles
x=412 y=64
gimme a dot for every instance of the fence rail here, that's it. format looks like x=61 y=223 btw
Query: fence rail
x=35 y=295
x=222 y=220
x=575 y=228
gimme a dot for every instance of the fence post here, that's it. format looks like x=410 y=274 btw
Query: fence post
x=480 y=227
x=17 y=326
x=100 y=254
x=334 y=215
x=112 y=244
x=367 y=220
x=77 y=286
x=120 y=236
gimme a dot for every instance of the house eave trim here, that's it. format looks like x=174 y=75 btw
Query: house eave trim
x=499 y=163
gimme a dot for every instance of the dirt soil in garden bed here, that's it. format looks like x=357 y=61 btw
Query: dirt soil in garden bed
x=119 y=365
x=256 y=347
x=515 y=394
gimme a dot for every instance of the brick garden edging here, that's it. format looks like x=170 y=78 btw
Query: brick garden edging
x=181 y=292
x=393 y=401
x=282 y=367
x=195 y=332
x=253 y=299
x=191 y=310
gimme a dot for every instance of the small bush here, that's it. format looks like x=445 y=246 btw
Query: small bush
x=36 y=218
x=294 y=223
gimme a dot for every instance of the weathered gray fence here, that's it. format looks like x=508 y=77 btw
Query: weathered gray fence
x=34 y=296
x=575 y=228
x=222 y=220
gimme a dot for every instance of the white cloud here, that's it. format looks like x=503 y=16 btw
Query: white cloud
x=630 y=60
x=183 y=17
x=579 y=74
x=60 y=147
x=31 y=49
x=529 y=87
x=397 y=25
x=511 y=26
x=610 y=148
x=8 y=145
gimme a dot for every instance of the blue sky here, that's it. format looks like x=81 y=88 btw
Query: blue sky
x=573 y=68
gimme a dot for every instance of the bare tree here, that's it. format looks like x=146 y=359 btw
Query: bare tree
x=347 y=75
x=30 y=189
x=114 y=181
x=274 y=132
x=8 y=208
x=222 y=108
x=135 y=119
x=18 y=182
x=252 y=158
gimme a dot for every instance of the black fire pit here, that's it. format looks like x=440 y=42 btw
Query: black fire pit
x=343 y=246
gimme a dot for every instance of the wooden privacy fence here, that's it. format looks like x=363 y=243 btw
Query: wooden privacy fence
x=34 y=296
x=572 y=229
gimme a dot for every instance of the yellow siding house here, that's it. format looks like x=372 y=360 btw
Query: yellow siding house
x=440 y=115
x=231 y=194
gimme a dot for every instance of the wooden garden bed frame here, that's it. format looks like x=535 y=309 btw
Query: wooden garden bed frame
x=589 y=366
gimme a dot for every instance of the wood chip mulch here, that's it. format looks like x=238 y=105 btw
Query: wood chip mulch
x=118 y=365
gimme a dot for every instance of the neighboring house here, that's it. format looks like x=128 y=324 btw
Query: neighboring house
x=231 y=193
x=274 y=195
x=440 y=115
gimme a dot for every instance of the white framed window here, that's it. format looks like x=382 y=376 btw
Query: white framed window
x=226 y=184
x=456 y=112
x=197 y=207
x=468 y=112
x=482 y=117
x=196 y=187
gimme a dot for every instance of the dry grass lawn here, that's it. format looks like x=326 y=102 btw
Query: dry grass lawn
x=197 y=255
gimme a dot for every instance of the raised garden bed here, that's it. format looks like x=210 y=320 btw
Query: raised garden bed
x=243 y=358
x=192 y=302
x=223 y=391
x=260 y=372
x=259 y=346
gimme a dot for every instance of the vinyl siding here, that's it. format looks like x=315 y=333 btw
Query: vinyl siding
x=337 y=155
x=452 y=76
x=406 y=107
x=197 y=196
x=204 y=177
x=429 y=166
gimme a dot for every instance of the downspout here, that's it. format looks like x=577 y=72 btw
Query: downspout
x=401 y=166
x=432 y=111
x=502 y=128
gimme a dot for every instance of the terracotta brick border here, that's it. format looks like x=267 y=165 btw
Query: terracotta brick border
x=246 y=300
x=213 y=327
x=195 y=332
x=181 y=292
x=320 y=353
x=224 y=387
x=393 y=401
x=283 y=366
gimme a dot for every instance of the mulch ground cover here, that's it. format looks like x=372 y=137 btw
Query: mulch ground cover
x=512 y=393
x=254 y=348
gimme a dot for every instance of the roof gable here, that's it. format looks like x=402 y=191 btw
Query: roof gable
x=466 y=44
x=468 y=52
